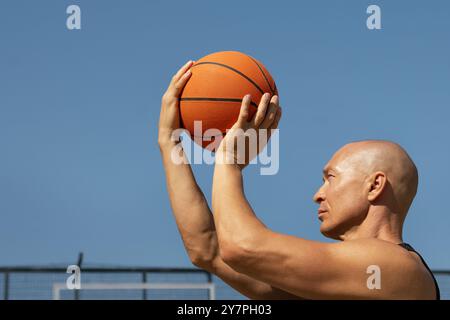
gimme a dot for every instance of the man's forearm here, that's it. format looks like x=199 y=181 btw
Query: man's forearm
x=190 y=208
x=179 y=177
x=235 y=220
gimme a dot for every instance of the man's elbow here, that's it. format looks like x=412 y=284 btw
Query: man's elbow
x=234 y=254
x=198 y=261
x=241 y=252
x=202 y=261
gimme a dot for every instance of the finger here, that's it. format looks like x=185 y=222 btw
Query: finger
x=182 y=71
x=179 y=85
x=262 y=109
x=243 y=113
x=274 y=125
x=271 y=113
x=277 y=119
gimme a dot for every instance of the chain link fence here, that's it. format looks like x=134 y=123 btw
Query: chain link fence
x=37 y=283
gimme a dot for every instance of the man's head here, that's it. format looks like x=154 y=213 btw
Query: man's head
x=362 y=178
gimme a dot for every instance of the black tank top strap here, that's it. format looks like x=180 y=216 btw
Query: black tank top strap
x=410 y=248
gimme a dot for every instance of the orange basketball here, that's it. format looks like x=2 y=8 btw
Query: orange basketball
x=214 y=92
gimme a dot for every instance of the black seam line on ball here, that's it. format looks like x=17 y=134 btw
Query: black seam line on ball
x=215 y=137
x=234 y=70
x=264 y=75
x=216 y=99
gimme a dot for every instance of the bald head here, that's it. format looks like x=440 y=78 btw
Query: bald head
x=368 y=183
x=372 y=156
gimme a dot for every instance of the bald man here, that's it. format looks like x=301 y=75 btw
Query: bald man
x=367 y=190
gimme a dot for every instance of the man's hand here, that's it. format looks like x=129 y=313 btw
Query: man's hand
x=246 y=139
x=169 y=119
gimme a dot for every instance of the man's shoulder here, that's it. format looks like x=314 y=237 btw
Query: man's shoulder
x=373 y=246
x=403 y=269
x=385 y=253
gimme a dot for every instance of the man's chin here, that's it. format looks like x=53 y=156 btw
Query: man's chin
x=329 y=231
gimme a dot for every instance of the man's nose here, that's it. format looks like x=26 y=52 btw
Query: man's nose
x=319 y=196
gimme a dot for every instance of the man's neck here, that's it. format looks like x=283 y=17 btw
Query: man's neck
x=377 y=226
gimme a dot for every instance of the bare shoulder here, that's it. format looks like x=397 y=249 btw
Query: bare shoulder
x=371 y=247
x=402 y=273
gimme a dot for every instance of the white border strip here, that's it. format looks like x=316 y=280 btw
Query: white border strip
x=58 y=287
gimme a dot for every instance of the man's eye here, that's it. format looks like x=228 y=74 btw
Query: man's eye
x=330 y=176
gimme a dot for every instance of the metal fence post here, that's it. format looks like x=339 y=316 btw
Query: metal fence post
x=144 y=280
x=210 y=281
x=6 y=286
x=79 y=263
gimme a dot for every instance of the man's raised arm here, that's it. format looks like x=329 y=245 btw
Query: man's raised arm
x=190 y=208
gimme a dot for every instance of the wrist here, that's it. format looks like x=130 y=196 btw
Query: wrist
x=228 y=159
x=166 y=144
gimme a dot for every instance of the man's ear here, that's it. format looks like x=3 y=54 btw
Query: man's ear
x=377 y=183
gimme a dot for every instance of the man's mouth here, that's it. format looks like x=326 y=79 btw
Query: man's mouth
x=320 y=213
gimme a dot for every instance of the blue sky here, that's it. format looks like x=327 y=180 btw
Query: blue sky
x=79 y=165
